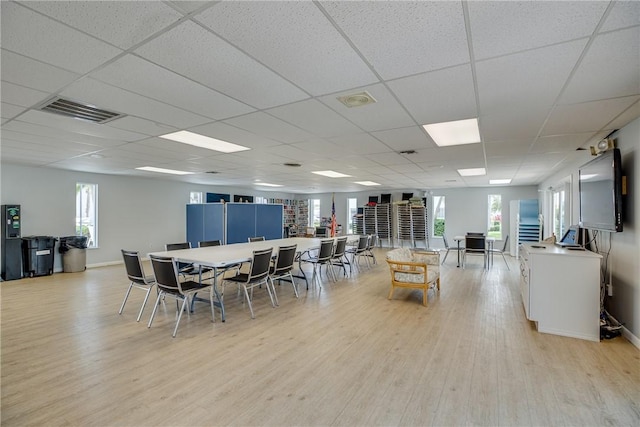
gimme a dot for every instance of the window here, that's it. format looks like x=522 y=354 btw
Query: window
x=87 y=212
x=314 y=212
x=494 y=227
x=438 y=216
x=195 y=197
x=352 y=210
x=557 y=218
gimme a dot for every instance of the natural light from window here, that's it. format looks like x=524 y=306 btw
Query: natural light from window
x=494 y=227
x=438 y=216
x=314 y=212
x=87 y=213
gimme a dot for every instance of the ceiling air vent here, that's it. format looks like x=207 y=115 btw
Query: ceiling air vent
x=357 y=99
x=292 y=165
x=80 y=111
x=408 y=152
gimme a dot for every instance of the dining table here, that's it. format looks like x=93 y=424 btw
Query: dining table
x=490 y=243
x=223 y=257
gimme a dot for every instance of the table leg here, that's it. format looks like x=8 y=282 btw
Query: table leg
x=458 y=254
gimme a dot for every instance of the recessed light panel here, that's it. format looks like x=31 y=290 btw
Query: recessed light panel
x=161 y=170
x=368 y=183
x=458 y=132
x=499 y=181
x=331 y=174
x=472 y=172
x=202 y=141
x=266 y=184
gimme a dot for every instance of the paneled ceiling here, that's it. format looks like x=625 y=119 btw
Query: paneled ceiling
x=543 y=79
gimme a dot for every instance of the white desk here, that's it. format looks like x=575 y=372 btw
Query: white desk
x=219 y=258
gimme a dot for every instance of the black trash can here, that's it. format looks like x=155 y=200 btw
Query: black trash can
x=74 y=253
x=37 y=255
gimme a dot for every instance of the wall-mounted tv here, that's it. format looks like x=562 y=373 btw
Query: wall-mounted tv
x=601 y=192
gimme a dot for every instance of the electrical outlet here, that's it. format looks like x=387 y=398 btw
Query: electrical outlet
x=609 y=289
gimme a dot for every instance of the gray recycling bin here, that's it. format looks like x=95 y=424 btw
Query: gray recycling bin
x=74 y=253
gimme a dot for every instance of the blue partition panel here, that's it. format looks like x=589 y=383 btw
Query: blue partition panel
x=195 y=224
x=269 y=221
x=241 y=222
x=213 y=222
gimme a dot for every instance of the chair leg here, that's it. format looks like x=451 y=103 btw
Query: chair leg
x=505 y=260
x=126 y=296
x=185 y=303
x=273 y=288
x=246 y=293
x=144 y=303
x=293 y=283
x=445 y=257
x=155 y=308
x=390 y=293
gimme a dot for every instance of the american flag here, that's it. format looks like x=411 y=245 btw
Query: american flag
x=334 y=224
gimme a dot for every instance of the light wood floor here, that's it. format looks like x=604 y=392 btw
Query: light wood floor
x=341 y=355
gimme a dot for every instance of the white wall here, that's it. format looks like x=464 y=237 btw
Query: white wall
x=624 y=257
x=133 y=213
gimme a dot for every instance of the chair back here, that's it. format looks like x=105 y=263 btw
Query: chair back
x=256 y=239
x=373 y=240
x=506 y=243
x=166 y=273
x=177 y=246
x=207 y=243
x=260 y=264
x=133 y=265
x=326 y=250
x=475 y=243
x=363 y=241
x=444 y=241
x=341 y=247
x=285 y=259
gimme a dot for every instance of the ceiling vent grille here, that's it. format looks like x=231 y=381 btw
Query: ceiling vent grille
x=80 y=111
x=357 y=99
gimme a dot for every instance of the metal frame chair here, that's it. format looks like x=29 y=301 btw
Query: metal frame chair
x=256 y=239
x=359 y=251
x=339 y=257
x=258 y=275
x=137 y=278
x=282 y=267
x=166 y=272
x=323 y=257
x=474 y=244
x=207 y=243
x=373 y=241
x=502 y=251
x=449 y=248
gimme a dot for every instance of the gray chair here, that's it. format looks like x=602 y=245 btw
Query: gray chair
x=373 y=241
x=502 y=251
x=258 y=275
x=208 y=243
x=166 y=272
x=186 y=269
x=282 y=268
x=323 y=257
x=256 y=239
x=359 y=251
x=475 y=245
x=449 y=248
x=339 y=257
x=137 y=278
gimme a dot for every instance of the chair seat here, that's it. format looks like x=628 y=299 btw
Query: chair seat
x=416 y=278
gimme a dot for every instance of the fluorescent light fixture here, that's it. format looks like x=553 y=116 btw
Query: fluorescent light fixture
x=266 y=184
x=331 y=174
x=472 y=172
x=202 y=141
x=587 y=176
x=499 y=181
x=160 y=170
x=370 y=183
x=458 y=132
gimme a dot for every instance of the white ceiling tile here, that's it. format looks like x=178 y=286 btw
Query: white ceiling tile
x=500 y=28
x=144 y=78
x=315 y=117
x=52 y=42
x=303 y=46
x=626 y=117
x=47 y=133
x=560 y=143
x=512 y=123
x=438 y=96
x=27 y=72
x=21 y=96
x=190 y=6
x=116 y=22
x=53 y=143
x=61 y=149
x=234 y=135
x=609 y=69
x=624 y=14
x=81 y=127
x=196 y=53
x=108 y=97
x=510 y=148
x=9 y=110
x=408 y=138
x=143 y=126
x=361 y=143
x=271 y=127
x=404 y=38
x=517 y=77
x=385 y=113
x=587 y=116
x=388 y=159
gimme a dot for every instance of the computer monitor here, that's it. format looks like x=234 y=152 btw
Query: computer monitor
x=572 y=237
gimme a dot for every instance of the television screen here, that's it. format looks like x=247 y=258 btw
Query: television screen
x=601 y=192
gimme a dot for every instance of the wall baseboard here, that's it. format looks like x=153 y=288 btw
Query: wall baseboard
x=626 y=333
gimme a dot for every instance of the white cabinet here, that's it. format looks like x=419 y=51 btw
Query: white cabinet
x=561 y=290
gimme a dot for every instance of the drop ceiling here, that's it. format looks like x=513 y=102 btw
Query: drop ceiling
x=543 y=78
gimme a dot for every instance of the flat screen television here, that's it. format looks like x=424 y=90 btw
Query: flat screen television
x=601 y=192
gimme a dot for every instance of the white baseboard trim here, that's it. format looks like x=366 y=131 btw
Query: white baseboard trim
x=626 y=333
x=104 y=264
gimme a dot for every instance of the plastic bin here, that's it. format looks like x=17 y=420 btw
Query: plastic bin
x=37 y=255
x=74 y=253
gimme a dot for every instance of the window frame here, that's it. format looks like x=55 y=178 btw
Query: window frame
x=81 y=204
x=491 y=217
x=436 y=206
